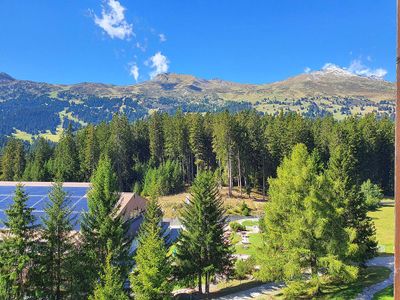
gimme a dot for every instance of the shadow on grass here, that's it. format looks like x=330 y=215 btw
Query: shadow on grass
x=222 y=292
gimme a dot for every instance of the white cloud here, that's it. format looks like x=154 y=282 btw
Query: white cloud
x=162 y=37
x=134 y=71
x=358 y=68
x=159 y=63
x=307 y=70
x=113 y=22
x=141 y=47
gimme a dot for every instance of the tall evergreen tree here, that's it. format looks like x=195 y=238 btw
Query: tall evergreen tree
x=303 y=227
x=17 y=250
x=110 y=285
x=66 y=162
x=89 y=152
x=119 y=150
x=101 y=224
x=56 y=249
x=156 y=139
x=13 y=160
x=202 y=250
x=37 y=168
x=151 y=276
x=346 y=192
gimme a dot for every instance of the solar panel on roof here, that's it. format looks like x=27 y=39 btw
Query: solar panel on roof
x=38 y=200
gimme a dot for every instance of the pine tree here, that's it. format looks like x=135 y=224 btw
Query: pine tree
x=57 y=245
x=202 y=249
x=303 y=227
x=66 y=163
x=156 y=139
x=37 y=168
x=101 y=224
x=119 y=150
x=150 y=278
x=89 y=152
x=346 y=192
x=110 y=286
x=197 y=141
x=223 y=144
x=13 y=160
x=17 y=250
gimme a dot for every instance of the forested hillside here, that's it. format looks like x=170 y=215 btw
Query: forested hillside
x=243 y=149
x=30 y=109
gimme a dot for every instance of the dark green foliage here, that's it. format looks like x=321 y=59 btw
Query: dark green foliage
x=372 y=194
x=152 y=274
x=17 y=250
x=38 y=168
x=166 y=179
x=345 y=191
x=202 y=250
x=56 y=247
x=101 y=226
x=66 y=164
x=13 y=160
x=245 y=148
x=245 y=210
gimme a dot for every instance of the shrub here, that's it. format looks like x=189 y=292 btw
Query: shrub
x=244 y=209
x=372 y=194
x=235 y=226
x=243 y=268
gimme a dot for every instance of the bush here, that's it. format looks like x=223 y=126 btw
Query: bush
x=372 y=194
x=235 y=226
x=244 y=209
x=243 y=268
x=165 y=180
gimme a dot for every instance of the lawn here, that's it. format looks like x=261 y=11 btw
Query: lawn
x=367 y=277
x=250 y=223
x=384 y=223
x=385 y=294
x=255 y=240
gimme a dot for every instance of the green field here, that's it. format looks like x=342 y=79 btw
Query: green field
x=385 y=294
x=367 y=277
x=255 y=240
x=384 y=223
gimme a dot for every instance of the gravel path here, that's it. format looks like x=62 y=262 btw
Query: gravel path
x=265 y=289
x=381 y=261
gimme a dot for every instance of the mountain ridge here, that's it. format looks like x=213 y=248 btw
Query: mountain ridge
x=50 y=107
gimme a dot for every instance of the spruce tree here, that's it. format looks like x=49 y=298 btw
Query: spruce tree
x=110 y=285
x=66 y=162
x=151 y=276
x=303 y=228
x=13 y=160
x=17 y=250
x=156 y=139
x=102 y=225
x=37 y=168
x=347 y=195
x=57 y=245
x=202 y=250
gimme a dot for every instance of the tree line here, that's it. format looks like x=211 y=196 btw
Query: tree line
x=244 y=148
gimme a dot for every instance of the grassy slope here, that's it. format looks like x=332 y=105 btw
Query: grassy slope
x=384 y=223
x=385 y=294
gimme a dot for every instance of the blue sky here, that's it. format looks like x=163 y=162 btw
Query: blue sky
x=254 y=41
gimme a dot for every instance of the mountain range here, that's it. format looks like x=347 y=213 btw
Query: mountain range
x=29 y=109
